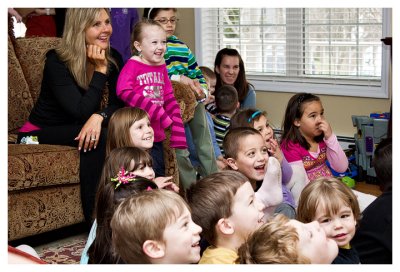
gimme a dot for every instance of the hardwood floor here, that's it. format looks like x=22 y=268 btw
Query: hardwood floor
x=368 y=188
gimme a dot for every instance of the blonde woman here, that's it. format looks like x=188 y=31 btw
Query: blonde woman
x=77 y=95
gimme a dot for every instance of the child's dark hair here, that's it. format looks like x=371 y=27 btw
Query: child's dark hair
x=231 y=140
x=226 y=99
x=241 y=84
x=382 y=163
x=108 y=198
x=207 y=72
x=246 y=117
x=137 y=33
x=151 y=13
x=294 y=111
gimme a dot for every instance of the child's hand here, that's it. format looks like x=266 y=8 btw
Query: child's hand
x=164 y=183
x=275 y=150
x=210 y=99
x=325 y=127
x=221 y=163
x=194 y=86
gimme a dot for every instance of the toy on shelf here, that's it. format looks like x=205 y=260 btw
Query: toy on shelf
x=370 y=131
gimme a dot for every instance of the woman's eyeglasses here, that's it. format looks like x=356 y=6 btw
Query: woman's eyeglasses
x=165 y=21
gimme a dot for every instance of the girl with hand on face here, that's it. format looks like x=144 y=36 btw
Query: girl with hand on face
x=78 y=94
x=308 y=142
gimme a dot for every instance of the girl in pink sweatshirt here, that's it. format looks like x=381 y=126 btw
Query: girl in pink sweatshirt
x=144 y=83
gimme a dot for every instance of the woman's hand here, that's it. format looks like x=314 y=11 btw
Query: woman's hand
x=164 y=183
x=97 y=57
x=89 y=135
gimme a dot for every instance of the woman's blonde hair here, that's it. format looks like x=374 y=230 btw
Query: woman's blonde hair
x=118 y=134
x=72 y=48
x=275 y=242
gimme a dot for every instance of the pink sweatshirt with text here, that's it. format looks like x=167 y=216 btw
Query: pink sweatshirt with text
x=149 y=88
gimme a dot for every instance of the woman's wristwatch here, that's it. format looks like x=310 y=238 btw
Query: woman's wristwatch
x=102 y=114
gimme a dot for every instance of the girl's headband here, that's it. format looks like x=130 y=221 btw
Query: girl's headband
x=254 y=115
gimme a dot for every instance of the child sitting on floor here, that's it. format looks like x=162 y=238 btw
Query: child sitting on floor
x=225 y=206
x=284 y=241
x=155 y=227
x=247 y=153
x=258 y=119
x=334 y=205
x=227 y=102
x=124 y=173
x=131 y=127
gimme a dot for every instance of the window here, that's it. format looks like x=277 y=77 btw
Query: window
x=335 y=51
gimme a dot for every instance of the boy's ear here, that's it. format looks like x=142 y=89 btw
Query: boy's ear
x=232 y=163
x=136 y=44
x=154 y=249
x=225 y=226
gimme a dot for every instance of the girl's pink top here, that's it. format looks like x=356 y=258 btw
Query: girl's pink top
x=315 y=162
x=149 y=88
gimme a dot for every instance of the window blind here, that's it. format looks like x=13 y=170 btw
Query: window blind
x=314 y=47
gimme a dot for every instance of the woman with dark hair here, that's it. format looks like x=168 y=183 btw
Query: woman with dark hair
x=229 y=69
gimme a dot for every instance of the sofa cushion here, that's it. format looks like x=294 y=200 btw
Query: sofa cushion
x=37 y=211
x=31 y=166
x=20 y=101
x=31 y=54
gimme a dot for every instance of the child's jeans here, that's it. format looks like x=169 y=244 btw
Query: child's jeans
x=157 y=155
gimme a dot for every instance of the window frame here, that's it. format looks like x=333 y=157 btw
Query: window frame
x=326 y=86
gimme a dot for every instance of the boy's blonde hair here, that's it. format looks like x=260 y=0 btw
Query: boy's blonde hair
x=275 y=242
x=118 y=134
x=331 y=193
x=211 y=198
x=232 y=140
x=144 y=217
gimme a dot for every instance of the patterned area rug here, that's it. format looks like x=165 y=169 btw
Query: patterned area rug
x=66 y=251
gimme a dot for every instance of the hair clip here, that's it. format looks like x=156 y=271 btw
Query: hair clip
x=254 y=115
x=123 y=177
x=149 y=188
